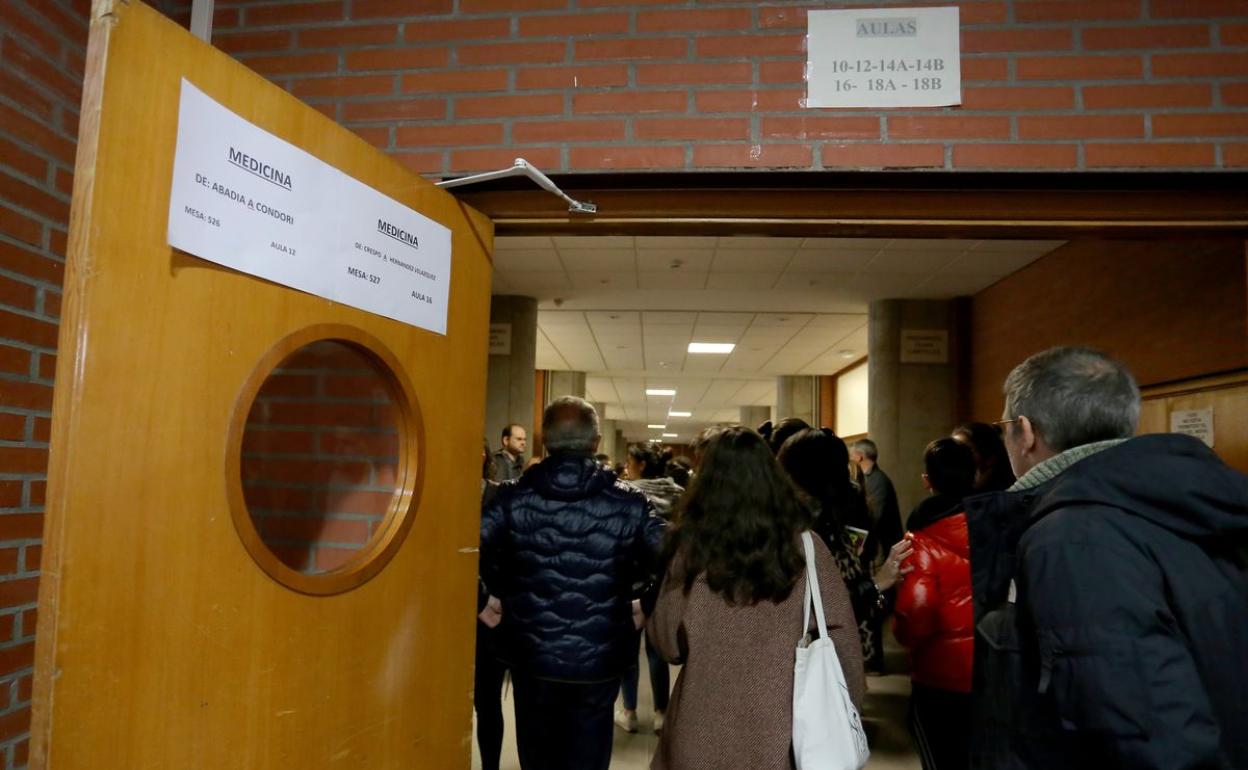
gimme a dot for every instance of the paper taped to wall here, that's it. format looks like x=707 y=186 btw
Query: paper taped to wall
x=883 y=57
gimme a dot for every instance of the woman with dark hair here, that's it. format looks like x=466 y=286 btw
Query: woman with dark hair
x=818 y=462
x=678 y=470
x=934 y=616
x=645 y=470
x=992 y=464
x=731 y=610
x=783 y=430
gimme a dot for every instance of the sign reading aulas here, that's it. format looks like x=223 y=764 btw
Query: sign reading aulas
x=895 y=27
x=397 y=233
x=259 y=168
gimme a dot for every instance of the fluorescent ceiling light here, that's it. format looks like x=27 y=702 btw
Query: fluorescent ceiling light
x=680 y=414
x=656 y=427
x=669 y=435
x=711 y=347
x=660 y=391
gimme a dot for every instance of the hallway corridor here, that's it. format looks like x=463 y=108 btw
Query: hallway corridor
x=885 y=716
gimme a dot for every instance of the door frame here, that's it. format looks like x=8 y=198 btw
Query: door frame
x=876 y=204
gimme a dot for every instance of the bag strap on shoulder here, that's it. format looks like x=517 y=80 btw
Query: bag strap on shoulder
x=813 y=595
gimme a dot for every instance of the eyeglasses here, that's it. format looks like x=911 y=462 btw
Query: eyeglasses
x=1003 y=423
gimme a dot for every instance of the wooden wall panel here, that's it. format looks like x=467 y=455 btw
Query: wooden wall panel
x=1170 y=309
x=827 y=401
x=1227 y=396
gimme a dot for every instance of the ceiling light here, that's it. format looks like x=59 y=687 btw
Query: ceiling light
x=680 y=414
x=711 y=347
x=656 y=427
x=660 y=391
x=669 y=435
x=847 y=354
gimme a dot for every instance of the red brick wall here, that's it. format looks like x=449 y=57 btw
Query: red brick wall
x=578 y=85
x=42 y=43
x=319 y=456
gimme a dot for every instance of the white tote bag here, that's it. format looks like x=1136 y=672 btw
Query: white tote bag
x=827 y=731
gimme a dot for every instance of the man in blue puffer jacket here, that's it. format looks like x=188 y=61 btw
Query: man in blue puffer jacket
x=566 y=548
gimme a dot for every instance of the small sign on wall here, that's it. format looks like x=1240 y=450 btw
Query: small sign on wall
x=883 y=57
x=500 y=339
x=924 y=346
x=1194 y=422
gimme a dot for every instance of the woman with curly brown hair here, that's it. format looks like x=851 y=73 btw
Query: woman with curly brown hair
x=730 y=610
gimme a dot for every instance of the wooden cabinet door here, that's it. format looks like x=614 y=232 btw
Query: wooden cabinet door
x=163 y=641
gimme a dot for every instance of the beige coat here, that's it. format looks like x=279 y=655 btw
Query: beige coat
x=732 y=708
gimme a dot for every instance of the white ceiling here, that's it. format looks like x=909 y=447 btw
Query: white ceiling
x=627 y=351
x=756 y=274
x=623 y=309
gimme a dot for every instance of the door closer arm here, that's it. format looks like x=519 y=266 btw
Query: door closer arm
x=522 y=167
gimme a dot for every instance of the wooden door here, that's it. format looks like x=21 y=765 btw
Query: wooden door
x=167 y=637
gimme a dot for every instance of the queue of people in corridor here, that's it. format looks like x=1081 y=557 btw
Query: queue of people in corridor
x=1092 y=612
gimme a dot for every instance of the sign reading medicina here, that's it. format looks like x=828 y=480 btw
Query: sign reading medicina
x=883 y=57
x=248 y=200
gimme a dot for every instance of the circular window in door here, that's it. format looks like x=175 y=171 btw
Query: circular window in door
x=326 y=460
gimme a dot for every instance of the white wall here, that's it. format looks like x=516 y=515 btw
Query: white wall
x=851 y=401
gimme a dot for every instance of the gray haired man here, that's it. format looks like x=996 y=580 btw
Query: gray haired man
x=1110 y=587
x=566 y=548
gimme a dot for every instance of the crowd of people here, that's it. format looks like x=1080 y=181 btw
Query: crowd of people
x=1070 y=595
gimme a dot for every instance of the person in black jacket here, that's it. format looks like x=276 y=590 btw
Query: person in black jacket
x=509 y=459
x=489 y=673
x=886 y=530
x=565 y=549
x=1110 y=587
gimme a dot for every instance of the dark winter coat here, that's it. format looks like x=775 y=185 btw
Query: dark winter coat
x=504 y=467
x=885 y=514
x=1111 y=608
x=564 y=548
x=933 y=615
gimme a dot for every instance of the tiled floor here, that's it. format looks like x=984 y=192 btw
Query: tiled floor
x=884 y=715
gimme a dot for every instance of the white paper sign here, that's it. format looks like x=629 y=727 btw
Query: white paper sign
x=500 y=339
x=883 y=57
x=248 y=200
x=1194 y=422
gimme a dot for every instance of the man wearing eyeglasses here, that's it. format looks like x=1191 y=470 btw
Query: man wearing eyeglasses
x=1110 y=585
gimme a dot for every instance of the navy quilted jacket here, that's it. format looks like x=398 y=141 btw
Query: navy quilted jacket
x=566 y=547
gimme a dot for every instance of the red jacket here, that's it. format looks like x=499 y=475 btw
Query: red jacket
x=934 y=615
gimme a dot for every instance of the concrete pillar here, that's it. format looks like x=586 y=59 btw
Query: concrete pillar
x=754 y=416
x=509 y=387
x=913 y=402
x=796 y=396
x=565 y=384
x=607 y=427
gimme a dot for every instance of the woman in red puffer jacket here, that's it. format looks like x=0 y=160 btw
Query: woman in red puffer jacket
x=934 y=618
